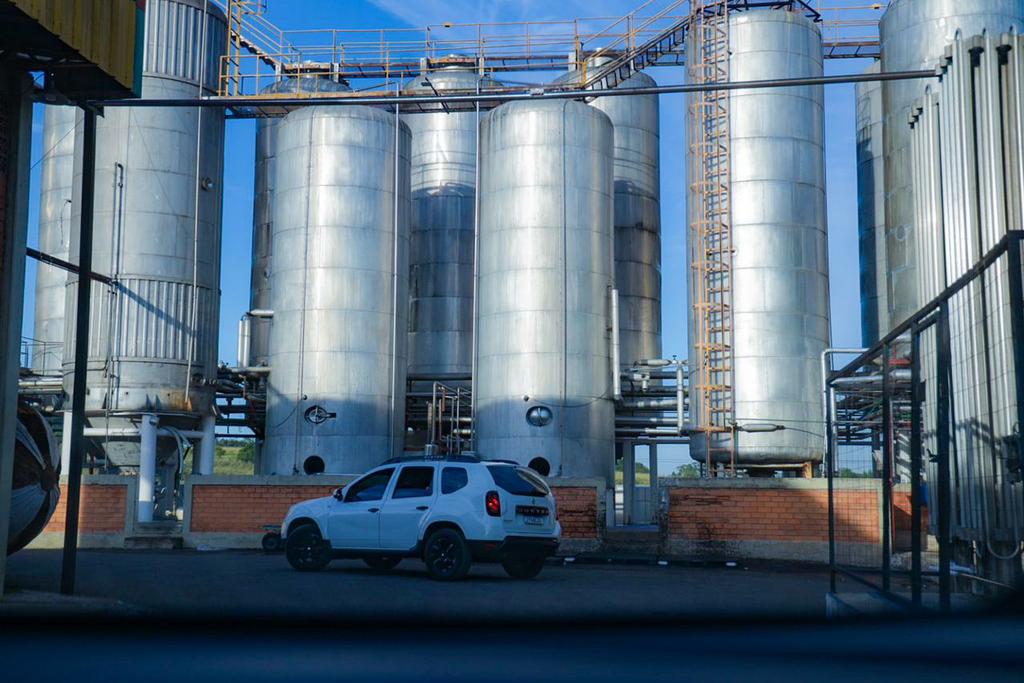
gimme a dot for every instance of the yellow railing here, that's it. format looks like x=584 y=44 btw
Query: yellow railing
x=259 y=51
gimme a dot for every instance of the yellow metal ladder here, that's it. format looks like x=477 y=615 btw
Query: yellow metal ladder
x=711 y=230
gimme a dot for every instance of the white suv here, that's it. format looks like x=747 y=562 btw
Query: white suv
x=450 y=511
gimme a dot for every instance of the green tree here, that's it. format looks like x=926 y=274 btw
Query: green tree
x=688 y=471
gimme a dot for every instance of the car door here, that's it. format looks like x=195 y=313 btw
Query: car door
x=410 y=499
x=355 y=521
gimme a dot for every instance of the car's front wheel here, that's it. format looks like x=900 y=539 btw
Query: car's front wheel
x=446 y=555
x=522 y=566
x=306 y=549
x=381 y=563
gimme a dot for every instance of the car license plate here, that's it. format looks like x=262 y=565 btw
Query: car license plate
x=532 y=519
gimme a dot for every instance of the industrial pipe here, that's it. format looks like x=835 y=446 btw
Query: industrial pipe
x=616 y=371
x=680 y=398
x=123 y=432
x=650 y=374
x=644 y=404
x=898 y=374
x=531 y=93
x=653 y=363
x=651 y=391
x=207 y=445
x=626 y=420
x=654 y=431
x=41 y=384
x=828 y=410
x=244 y=341
x=147 y=467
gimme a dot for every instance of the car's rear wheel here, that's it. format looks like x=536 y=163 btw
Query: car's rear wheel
x=381 y=563
x=522 y=566
x=306 y=549
x=446 y=555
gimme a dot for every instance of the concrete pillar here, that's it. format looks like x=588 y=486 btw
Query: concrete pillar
x=65 y=445
x=147 y=467
x=207 y=446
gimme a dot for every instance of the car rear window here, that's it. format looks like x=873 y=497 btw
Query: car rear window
x=518 y=481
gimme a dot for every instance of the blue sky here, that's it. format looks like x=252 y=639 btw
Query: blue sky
x=840 y=136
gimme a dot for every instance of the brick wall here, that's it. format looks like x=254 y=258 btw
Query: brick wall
x=901 y=520
x=577 y=510
x=765 y=514
x=246 y=508
x=102 y=509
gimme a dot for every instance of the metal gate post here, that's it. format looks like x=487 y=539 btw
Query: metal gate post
x=1014 y=247
x=887 y=439
x=943 y=428
x=830 y=467
x=915 y=465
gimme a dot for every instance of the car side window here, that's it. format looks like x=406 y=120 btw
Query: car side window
x=414 y=482
x=370 y=487
x=453 y=479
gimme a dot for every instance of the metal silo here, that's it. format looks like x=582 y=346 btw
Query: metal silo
x=780 y=305
x=544 y=385
x=913 y=35
x=263 y=213
x=444 y=156
x=159 y=172
x=637 y=215
x=339 y=288
x=874 y=301
x=55 y=229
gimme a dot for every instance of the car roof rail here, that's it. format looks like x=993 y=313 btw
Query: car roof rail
x=453 y=457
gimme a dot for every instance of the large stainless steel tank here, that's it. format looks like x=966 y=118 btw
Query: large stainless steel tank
x=874 y=300
x=544 y=386
x=263 y=212
x=970 y=119
x=55 y=229
x=339 y=288
x=637 y=215
x=444 y=155
x=913 y=35
x=780 y=298
x=159 y=172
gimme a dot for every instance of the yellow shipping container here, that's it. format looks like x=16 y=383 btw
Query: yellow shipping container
x=103 y=31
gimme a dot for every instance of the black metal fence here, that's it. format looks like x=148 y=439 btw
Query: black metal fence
x=930 y=420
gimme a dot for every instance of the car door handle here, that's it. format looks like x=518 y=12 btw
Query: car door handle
x=374 y=510
x=422 y=507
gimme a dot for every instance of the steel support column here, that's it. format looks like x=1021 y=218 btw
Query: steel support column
x=82 y=301
x=15 y=148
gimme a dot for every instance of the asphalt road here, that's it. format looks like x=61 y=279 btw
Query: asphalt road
x=233 y=582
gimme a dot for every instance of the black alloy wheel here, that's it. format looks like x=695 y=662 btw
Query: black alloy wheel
x=306 y=549
x=446 y=555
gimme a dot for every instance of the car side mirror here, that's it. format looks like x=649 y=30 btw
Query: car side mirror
x=339 y=493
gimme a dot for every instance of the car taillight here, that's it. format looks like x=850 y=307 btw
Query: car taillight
x=493 y=504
